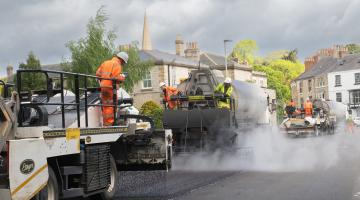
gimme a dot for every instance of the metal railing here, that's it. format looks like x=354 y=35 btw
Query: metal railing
x=6 y=87
x=75 y=78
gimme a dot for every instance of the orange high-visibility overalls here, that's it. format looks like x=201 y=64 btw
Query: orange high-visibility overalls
x=308 y=109
x=109 y=69
x=169 y=91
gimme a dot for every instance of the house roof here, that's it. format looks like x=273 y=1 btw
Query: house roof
x=349 y=62
x=330 y=64
x=325 y=65
x=218 y=62
x=163 y=58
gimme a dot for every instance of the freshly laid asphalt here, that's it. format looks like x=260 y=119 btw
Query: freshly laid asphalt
x=338 y=181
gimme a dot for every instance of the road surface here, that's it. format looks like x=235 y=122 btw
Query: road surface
x=339 y=180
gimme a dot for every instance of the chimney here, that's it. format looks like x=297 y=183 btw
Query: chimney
x=192 y=51
x=309 y=63
x=179 y=45
x=10 y=73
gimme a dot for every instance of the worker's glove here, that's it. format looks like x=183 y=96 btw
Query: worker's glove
x=125 y=74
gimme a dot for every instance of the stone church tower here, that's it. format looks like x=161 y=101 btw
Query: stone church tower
x=146 y=41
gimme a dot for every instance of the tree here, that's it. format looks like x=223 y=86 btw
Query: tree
x=245 y=50
x=353 y=48
x=275 y=55
x=32 y=81
x=279 y=75
x=291 y=56
x=135 y=68
x=88 y=53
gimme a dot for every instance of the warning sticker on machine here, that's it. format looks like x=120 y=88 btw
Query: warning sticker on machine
x=72 y=134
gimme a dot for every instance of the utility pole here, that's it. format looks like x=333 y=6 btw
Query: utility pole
x=226 y=70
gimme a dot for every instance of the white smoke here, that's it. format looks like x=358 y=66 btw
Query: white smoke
x=270 y=150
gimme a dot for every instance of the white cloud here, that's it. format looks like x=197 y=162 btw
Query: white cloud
x=45 y=26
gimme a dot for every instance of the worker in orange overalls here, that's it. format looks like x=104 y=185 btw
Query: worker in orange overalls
x=110 y=69
x=308 y=108
x=168 y=91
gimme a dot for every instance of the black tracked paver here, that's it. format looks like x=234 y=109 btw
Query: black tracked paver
x=139 y=185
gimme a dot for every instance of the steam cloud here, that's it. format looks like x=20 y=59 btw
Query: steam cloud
x=269 y=150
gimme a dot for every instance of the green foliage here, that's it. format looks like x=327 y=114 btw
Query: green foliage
x=353 y=48
x=279 y=75
x=153 y=110
x=245 y=50
x=135 y=68
x=275 y=55
x=291 y=56
x=88 y=53
x=32 y=81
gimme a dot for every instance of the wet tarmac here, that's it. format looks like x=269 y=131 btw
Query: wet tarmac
x=153 y=185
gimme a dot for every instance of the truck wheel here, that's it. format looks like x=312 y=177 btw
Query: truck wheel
x=51 y=190
x=114 y=182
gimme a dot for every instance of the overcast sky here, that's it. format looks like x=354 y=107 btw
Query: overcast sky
x=44 y=26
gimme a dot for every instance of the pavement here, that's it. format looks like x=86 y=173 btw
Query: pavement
x=324 y=180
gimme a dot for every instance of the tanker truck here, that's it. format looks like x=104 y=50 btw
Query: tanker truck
x=53 y=145
x=198 y=124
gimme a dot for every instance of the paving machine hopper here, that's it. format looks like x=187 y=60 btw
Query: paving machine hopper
x=198 y=123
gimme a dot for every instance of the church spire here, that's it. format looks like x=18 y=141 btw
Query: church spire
x=146 y=41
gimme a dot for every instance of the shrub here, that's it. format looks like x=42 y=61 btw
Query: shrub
x=153 y=110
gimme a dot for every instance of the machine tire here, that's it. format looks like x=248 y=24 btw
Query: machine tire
x=113 y=187
x=51 y=190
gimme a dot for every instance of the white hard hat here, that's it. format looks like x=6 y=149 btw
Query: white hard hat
x=162 y=84
x=123 y=55
x=227 y=80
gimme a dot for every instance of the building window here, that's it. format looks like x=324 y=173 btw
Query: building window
x=300 y=87
x=337 y=80
x=357 y=78
x=320 y=82
x=147 y=81
x=309 y=85
x=355 y=97
x=338 y=97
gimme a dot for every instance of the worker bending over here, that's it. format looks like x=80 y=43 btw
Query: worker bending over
x=110 y=69
x=308 y=108
x=226 y=89
x=168 y=91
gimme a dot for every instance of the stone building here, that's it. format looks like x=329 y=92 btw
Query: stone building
x=171 y=68
x=313 y=83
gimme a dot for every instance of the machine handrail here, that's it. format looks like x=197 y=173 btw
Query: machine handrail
x=78 y=89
